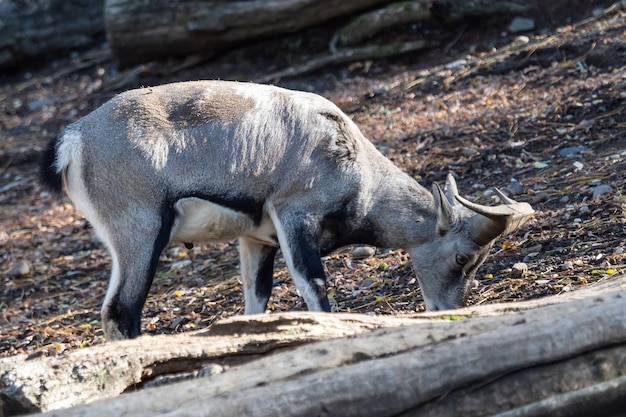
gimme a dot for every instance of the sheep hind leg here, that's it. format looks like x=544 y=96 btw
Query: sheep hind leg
x=134 y=266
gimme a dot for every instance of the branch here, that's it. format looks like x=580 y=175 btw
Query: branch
x=348 y=55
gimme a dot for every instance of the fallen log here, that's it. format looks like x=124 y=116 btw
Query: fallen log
x=347 y=55
x=399 y=13
x=143 y=31
x=149 y=30
x=510 y=356
x=31 y=30
x=30 y=383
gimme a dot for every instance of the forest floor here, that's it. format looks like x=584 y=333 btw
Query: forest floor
x=541 y=115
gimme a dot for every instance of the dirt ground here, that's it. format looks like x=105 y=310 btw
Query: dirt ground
x=541 y=115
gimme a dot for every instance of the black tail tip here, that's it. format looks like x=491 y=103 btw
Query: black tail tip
x=48 y=175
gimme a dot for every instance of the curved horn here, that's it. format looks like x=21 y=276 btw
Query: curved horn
x=504 y=198
x=451 y=189
x=496 y=220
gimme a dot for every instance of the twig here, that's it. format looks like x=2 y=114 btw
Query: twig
x=348 y=55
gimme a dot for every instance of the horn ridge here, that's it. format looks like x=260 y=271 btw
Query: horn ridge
x=495 y=221
x=451 y=189
x=511 y=208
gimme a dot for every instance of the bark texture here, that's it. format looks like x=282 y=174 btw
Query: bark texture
x=31 y=30
x=154 y=29
x=404 y=12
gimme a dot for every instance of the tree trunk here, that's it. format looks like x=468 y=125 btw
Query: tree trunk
x=155 y=29
x=36 y=383
x=148 y=30
x=32 y=29
x=399 y=13
x=542 y=357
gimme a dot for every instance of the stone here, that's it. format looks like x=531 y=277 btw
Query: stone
x=514 y=187
x=519 y=269
x=521 y=24
x=362 y=252
x=600 y=190
x=366 y=283
x=572 y=150
x=541 y=196
x=20 y=269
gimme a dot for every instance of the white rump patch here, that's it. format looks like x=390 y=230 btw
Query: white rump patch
x=69 y=149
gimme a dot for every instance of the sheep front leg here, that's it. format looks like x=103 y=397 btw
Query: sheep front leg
x=298 y=237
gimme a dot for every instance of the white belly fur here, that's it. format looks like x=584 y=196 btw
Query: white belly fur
x=199 y=220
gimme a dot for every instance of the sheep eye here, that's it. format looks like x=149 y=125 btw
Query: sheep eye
x=461 y=259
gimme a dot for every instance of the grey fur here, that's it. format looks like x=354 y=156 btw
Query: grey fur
x=269 y=165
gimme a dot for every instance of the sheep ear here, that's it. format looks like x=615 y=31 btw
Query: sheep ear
x=445 y=212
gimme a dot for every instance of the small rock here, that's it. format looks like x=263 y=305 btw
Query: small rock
x=587 y=123
x=539 y=197
x=578 y=165
x=366 y=283
x=618 y=250
x=37 y=104
x=533 y=250
x=180 y=264
x=572 y=150
x=600 y=190
x=564 y=199
x=469 y=152
x=514 y=187
x=459 y=63
x=20 y=269
x=521 y=40
x=597 y=11
x=584 y=209
x=519 y=269
x=568 y=265
x=362 y=252
x=177 y=322
x=521 y=24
